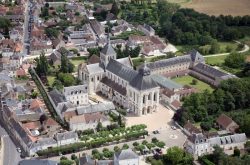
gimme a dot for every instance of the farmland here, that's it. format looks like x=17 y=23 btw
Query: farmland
x=218 y=7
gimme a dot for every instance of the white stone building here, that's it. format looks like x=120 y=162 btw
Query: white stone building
x=78 y=95
x=117 y=80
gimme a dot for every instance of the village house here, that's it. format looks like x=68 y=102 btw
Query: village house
x=88 y=121
x=226 y=123
x=66 y=138
x=78 y=95
x=146 y=29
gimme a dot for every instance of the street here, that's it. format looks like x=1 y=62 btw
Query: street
x=10 y=154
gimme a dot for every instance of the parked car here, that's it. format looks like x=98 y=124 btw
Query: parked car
x=173 y=127
x=156 y=132
x=158 y=150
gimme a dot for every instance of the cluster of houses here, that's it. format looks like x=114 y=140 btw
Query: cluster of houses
x=200 y=143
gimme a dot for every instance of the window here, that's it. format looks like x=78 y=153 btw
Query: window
x=97 y=77
x=144 y=99
x=154 y=96
x=92 y=79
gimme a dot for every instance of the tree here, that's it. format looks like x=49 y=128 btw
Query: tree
x=66 y=65
x=52 y=32
x=99 y=126
x=215 y=47
x=115 y=8
x=174 y=154
x=66 y=162
x=194 y=82
x=42 y=66
x=57 y=84
x=236 y=152
x=206 y=126
x=235 y=60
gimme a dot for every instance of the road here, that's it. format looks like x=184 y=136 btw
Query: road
x=10 y=154
x=246 y=48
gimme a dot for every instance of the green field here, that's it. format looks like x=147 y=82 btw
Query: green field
x=51 y=80
x=78 y=60
x=217 y=60
x=187 y=80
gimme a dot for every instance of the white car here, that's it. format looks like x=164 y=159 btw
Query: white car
x=173 y=127
x=19 y=150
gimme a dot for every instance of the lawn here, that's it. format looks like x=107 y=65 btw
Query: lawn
x=51 y=80
x=187 y=80
x=216 y=60
x=126 y=34
x=78 y=60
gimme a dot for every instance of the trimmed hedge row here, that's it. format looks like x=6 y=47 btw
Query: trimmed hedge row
x=89 y=145
x=44 y=94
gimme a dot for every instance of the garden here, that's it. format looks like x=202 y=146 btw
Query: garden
x=191 y=81
x=89 y=139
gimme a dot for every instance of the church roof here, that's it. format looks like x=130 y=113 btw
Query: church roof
x=94 y=68
x=143 y=80
x=108 y=49
x=121 y=70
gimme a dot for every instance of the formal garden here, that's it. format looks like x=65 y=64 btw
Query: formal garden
x=90 y=139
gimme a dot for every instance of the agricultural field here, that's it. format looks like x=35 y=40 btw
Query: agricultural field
x=217 y=7
x=187 y=80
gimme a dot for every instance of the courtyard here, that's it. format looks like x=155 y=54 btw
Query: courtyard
x=159 y=120
x=187 y=80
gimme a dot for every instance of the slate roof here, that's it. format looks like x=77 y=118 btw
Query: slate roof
x=168 y=62
x=86 y=160
x=37 y=162
x=44 y=142
x=115 y=86
x=66 y=135
x=94 y=68
x=165 y=82
x=100 y=107
x=108 y=49
x=57 y=97
x=126 y=154
x=143 y=80
x=20 y=130
x=121 y=70
x=236 y=138
x=126 y=61
x=208 y=70
x=75 y=89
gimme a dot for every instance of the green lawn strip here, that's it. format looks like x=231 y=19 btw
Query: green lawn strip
x=78 y=60
x=215 y=60
x=187 y=80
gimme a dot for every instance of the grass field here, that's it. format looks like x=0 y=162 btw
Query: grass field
x=217 y=60
x=218 y=7
x=78 y=60
x=51 y=80
x=187 y=80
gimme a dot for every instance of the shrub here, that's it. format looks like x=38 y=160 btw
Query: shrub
x=135 y=144
x=125 y=146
